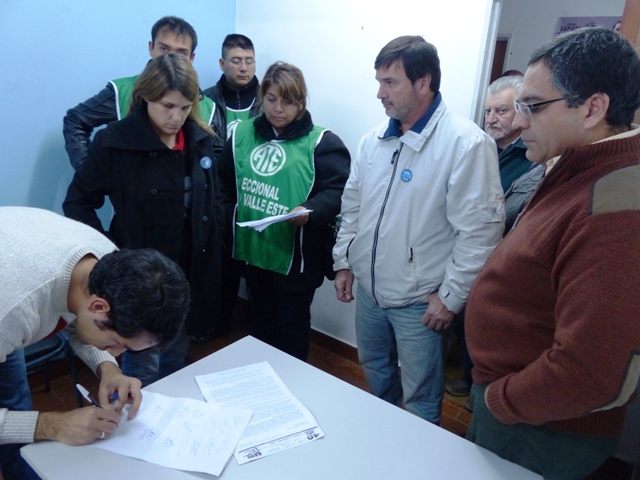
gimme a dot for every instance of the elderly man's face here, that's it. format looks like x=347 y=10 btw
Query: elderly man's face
x=552 y=128
x=498 y=117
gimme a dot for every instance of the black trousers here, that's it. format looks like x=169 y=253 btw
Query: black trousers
x=232 y=270
x=465 y=359
x=281 y=319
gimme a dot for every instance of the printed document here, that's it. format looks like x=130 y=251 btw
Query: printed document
x=279 y=422
x=179 y=433
x=260 y=225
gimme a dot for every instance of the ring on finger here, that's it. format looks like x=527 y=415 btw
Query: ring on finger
x=101 y=436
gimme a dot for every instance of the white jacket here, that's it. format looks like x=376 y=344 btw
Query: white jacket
x=406 y=239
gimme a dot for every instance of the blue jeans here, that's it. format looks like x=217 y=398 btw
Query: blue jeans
x=152 y=364
x=14 y=395
x=386 y=335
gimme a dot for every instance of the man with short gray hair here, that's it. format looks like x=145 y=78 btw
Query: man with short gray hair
x=499 y=113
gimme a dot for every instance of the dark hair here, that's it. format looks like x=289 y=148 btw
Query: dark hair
x=290 y=82
x=177 y=26
x=418 y=57
x=594 y=60
x=146 y=292
x=236 y=40
x=512 y=73
x=163 y=74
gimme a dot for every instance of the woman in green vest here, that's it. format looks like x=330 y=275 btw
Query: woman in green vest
x=158 y=168
x=274 y=164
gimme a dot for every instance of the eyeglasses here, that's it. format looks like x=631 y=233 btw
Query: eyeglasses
x=236 y=62
x=529 y=109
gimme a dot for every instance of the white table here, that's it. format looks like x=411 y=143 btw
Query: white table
x=365 y=438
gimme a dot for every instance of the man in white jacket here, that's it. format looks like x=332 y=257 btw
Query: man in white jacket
x=421 y=212
x=58 y=273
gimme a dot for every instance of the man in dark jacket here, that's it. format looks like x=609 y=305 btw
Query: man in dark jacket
x=235 y=93
x=168 y=35
x=235 y=100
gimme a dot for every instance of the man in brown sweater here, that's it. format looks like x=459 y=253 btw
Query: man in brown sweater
x=552 y=320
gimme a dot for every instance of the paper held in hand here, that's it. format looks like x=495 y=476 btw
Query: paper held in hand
x=279 y=422
x=260 y=225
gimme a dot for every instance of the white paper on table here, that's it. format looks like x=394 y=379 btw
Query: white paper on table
x=179 y=433
x=260 y=225
x=279 y=422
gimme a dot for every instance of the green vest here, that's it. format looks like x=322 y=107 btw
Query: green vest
x=236 y=116
x=272 y=179
x=124 y=86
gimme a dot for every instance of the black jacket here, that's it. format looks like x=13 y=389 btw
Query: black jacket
x=332 y=164
x=222 y=95
x=519 y=193
x=79 y=122
x=145 y=182
x=513 y=163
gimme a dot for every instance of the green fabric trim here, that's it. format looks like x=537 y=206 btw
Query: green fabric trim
x=124 y=88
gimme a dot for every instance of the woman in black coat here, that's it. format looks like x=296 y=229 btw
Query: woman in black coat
x=158 y=168
x=277 y=163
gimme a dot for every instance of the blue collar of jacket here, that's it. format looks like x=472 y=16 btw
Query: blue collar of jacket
x=420 y=130
x=395 y=130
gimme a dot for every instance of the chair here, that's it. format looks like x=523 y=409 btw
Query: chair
x=41 y=354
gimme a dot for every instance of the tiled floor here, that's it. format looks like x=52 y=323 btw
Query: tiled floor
x=454 y=417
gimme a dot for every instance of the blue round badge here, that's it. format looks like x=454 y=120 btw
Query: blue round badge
x=205 y=162
x=406 y=175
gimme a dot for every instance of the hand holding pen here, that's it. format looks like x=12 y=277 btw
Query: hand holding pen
x=113 y=381
x=77 y=427
x=92 y=400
